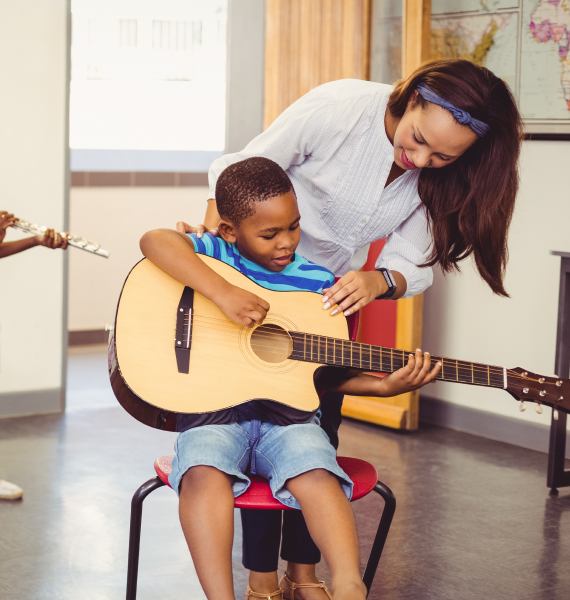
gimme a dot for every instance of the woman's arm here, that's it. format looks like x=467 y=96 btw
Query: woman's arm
x=406 y=247
x=173 y=252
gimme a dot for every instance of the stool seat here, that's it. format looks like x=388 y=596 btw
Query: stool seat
x=259 y=496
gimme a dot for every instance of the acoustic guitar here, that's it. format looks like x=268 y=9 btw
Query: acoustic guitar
x=174 y=353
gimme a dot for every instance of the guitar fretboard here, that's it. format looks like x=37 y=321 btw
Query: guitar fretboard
x=342 y=353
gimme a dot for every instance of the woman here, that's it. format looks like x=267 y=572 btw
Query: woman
x=431 y=165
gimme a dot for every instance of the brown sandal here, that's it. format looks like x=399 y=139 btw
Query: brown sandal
x=251 y=594
x=295 y=586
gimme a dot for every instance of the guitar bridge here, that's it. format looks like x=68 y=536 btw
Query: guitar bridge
x=183 y=340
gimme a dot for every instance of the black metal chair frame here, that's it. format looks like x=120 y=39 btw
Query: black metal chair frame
x=155 y=483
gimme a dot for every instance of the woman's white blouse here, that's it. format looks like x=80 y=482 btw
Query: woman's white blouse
x=332 y=143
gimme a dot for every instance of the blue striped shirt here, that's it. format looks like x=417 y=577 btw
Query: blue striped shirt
x=300 y=275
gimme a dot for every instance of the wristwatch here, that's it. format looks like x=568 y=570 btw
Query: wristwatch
x=392 y=287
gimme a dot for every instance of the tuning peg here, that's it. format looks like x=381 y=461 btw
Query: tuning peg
x=538 y=408
x=522 y=406
x=555 y=415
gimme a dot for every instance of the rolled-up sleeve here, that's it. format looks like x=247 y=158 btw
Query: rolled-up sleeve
x=407 y=247
x=289 y=140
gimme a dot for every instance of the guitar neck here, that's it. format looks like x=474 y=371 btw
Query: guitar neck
x=342 y=353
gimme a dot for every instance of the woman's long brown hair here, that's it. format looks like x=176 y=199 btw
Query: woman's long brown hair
x=471 y=201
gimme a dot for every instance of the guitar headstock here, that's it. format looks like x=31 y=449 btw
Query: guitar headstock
x=530 y=387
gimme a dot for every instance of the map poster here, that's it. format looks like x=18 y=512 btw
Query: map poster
x=524 y=42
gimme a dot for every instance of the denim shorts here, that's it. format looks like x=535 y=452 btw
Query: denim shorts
x=276 y=453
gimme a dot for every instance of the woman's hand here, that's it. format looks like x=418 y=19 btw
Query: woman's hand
x=6 y=220
x=354 y=290
x=410 y=377
x=53 y=240
x=242 y=307
x=199 y=230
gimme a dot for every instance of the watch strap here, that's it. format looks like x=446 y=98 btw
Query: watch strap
x=392 y=287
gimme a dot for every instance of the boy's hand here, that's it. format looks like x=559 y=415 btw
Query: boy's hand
x=411 y=377
x=199 y=230
x=243 y=307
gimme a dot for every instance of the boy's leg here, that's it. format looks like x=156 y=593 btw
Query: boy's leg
x=286 y=453
x=297 y=547
x=207 y=518
x=207 y=472
x=331 y=523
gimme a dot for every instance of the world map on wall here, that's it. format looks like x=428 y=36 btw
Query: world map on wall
x=524 y=42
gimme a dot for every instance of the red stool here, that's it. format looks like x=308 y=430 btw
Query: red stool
x=259 y=496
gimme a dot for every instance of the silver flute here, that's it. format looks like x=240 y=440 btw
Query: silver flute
x=74 y=240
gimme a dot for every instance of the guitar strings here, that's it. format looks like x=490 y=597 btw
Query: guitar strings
x=375 y=349
x=375 y=352
x=299 y=355
x=378 y=351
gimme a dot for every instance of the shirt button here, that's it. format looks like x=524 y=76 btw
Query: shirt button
x=354 y=233
x=364 y=221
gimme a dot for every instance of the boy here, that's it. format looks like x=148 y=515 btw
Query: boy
x=259 y=233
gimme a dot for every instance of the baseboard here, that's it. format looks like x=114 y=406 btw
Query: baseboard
x=88 y=337
x=488 y=425
x=38 y=402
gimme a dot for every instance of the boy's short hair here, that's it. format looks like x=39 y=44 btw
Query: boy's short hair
x=241 y=185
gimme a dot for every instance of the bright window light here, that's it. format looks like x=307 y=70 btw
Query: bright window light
x=148 y=74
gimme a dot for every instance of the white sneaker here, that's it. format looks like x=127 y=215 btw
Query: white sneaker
x=10 y=491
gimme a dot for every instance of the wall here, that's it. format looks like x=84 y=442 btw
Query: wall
x=117 y=218
x=33 y=154
x=245 y=62
x=462 y=318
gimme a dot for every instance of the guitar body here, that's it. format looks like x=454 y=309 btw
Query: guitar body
x=228 y=364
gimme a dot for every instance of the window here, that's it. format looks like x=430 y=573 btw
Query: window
x=128 y=33
x=148 y=75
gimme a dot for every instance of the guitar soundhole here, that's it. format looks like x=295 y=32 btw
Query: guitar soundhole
x=271 y=343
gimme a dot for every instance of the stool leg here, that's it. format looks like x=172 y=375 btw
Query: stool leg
x=135 y=533
x=381 y=534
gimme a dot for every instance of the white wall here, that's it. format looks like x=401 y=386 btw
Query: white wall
x=33 y=155
x=117 y=218
x=462 y=318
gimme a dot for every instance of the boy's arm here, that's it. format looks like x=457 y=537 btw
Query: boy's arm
x=411 y=377
x=173 y=252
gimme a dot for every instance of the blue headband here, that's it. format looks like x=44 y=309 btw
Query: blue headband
x=461 y=116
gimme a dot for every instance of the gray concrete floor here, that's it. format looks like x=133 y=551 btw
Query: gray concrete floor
x=474 y=520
